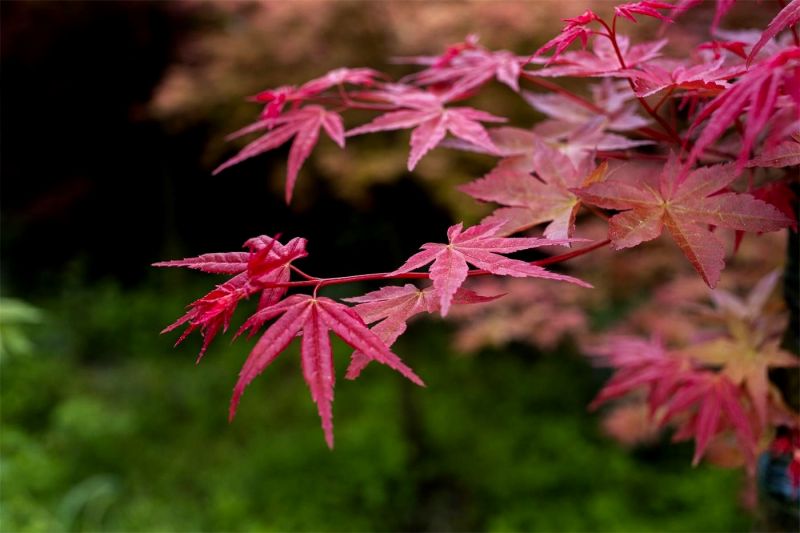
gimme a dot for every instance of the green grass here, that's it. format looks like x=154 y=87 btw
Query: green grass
x=106 y=428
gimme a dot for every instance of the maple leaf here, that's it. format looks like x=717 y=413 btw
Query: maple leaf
x=266 y=264
x=393 y=306
x=747 y=364
x=533 y=199
x=686 y=208
x=787 y=17
x=302 y=124
x=469 y=69
x=646 y=7
x=715 y=397
x=608 y=95
x=750 y=347
x=275 y=99
x=313 y=318
x=675 y=385
x=579 y=142
x=716 y=47
x=658 y=75
x=756 y=92
x=576 y=141
x=574 y=29
x=479 y=246
x=639 y=363
x=431 y=122
x=602 y=60
x=785 y=154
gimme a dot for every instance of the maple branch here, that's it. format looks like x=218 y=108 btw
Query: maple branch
x=550 y=86
x=303 y=274
x=318 y=283
x=612 y=36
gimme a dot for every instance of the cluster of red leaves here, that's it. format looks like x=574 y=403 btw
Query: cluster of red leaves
x=714 y=382
x=267 y=268
x=731 y=106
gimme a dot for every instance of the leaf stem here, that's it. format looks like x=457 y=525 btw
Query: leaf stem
x=318 y=283
x=612 y=36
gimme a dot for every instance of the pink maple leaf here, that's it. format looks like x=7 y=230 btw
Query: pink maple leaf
x=579 y=141
x=756 y=93
x=280 y=96
x=640 y=364
x=716 y=47
x=650 y=202
x=602 y=59
x=785 y=154
x=574 y=29
x=302 y=124
x=266 y=264
x=470 y=69
x=658 y=75
x=534 y=189
x=431 y=122
x=610 y=96
x=393 y=306
x=787 y=17
x=576 y=141
x=479 y=246
x=718 y=407
x=313 y=319
x=648 y=8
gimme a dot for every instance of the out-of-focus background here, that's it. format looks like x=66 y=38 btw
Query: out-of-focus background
x=113 y=115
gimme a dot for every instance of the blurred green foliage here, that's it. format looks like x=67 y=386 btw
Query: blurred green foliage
x=106 y=428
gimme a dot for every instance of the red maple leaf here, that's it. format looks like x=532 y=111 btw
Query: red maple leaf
x=280 y=96
x=531 y=199
x=658 y=75
x=266 y=264
x=785 y=154
x=650 y=202
x=787 y=17
x=431 y=122
x=646 y=7
x=313 y=318
x=708 y=401
x=610 y=96
x=574 y=29
x=469 y=69
x=718 y=407
x=479 y=246
x=639 y=363
x=302 y=124
x=602 y=59
x=756 y=93
x=393 y=306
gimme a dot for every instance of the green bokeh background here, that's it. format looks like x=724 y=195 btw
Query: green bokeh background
x=106 y=428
